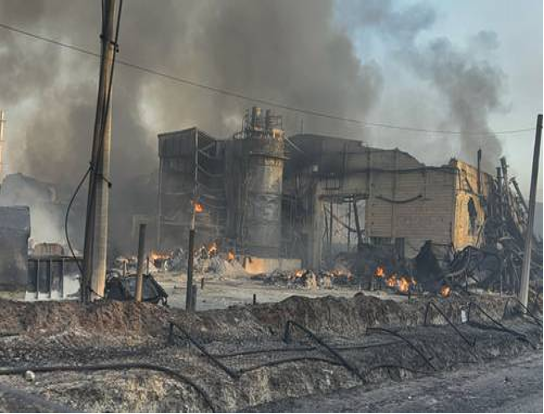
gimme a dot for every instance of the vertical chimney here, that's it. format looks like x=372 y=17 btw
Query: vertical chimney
x=2 y=120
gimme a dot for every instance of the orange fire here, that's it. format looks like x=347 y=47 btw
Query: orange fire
x=445 y=291
x=299 y=272
x=391 y=281
x=403 y=284
x=199 y=208
x=379 y=272
x=230 y=256
x=158 y=256
x=212 y=249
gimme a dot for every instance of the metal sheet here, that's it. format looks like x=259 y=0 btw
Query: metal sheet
x=14 y=233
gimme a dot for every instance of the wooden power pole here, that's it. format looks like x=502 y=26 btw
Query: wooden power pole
x=96 y=225
x=526 y=267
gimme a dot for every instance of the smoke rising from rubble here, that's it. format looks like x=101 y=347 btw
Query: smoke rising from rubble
x=282 y=50
x=471 y=85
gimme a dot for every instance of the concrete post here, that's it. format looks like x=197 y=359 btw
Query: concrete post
x=96 y=226
x=526 y=267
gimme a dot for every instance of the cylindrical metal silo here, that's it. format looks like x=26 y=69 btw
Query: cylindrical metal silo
x=264 y=155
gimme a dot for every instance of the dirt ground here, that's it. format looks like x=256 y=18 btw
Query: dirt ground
x=220 y=293
x=122 y=356
x=513 y=386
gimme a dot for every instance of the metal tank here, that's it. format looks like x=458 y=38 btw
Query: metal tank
x=263 y=149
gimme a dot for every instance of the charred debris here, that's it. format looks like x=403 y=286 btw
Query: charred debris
x=305 y=211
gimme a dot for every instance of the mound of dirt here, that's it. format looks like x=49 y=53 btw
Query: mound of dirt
x=103 y=317
x=112 y=320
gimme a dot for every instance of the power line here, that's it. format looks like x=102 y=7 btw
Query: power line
x=266 y=102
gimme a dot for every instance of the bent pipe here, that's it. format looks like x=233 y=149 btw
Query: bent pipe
x=113 y=367
x=285 y=361
x=347 y=365
x=227 y=370
x=471 y=343
x=302 y=349
x=515 y=334
x=404 y=339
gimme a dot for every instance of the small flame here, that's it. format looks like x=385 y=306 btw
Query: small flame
x=158 y=256
x=379 y=272
x=230 y=256
x=391 y=281
x=199 y=208
x=403 y=284
x=445 y=291
x=299 y=272
x=212 y=249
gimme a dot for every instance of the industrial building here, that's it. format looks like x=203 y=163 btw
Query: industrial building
x=310 y=197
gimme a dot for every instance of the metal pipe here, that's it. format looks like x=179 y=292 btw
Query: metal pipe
x=140 y=271
x=526 y=267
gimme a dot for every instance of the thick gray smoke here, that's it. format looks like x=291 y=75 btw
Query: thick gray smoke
x=279 y=50
x=282 y=50
x=471 y=85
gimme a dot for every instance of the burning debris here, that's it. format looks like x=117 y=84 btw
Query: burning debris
x=307 y=279
x=208 y=259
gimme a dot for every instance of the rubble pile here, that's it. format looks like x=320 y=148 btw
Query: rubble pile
x=307 y=279
x=207 y=259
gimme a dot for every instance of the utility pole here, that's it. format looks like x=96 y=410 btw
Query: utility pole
x=96 y=225
x=2 y=121
x=526 y=267
x=195 y=208
x=140 y=272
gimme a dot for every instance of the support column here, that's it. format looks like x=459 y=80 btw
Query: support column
x=526 y=267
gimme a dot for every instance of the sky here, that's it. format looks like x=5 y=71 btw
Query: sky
x=518 y=53
x=434 y=64
x=519 y=28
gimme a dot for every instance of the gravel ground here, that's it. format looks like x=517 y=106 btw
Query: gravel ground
x=501 y=386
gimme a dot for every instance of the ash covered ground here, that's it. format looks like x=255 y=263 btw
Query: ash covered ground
x=123 y=356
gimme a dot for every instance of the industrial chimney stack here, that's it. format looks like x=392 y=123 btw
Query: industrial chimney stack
x=2 y=121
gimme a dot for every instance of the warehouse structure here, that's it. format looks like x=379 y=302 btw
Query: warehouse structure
x=310 y=197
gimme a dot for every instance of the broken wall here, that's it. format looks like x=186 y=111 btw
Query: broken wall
x=407 y=202
x=470 y=210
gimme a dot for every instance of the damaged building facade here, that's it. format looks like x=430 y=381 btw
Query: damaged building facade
x=309 y=197
x=34 y=265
